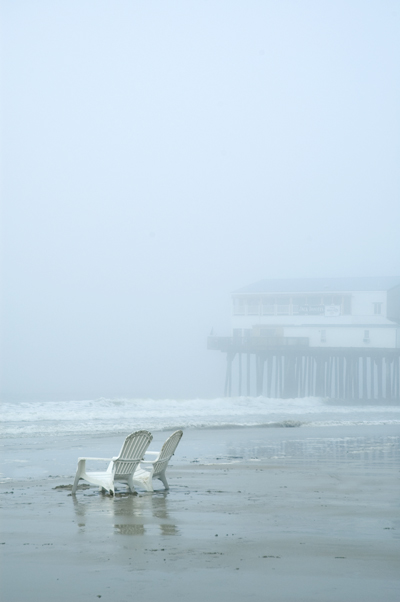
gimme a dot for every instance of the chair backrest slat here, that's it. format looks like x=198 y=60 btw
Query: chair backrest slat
x=167 y=451
x=133 y=449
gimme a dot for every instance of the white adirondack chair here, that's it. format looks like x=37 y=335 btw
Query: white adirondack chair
x=155 y=469
x=120 y=468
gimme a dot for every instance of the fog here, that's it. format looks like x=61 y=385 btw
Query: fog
x=158 y=155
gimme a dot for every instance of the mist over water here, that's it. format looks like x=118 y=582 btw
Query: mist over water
x=157 y=156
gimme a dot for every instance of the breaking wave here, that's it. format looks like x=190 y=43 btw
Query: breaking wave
x=98 y=416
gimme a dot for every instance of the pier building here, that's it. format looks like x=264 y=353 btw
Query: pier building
x=328 y=337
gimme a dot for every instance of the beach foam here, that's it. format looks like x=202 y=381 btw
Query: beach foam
x=36 y=418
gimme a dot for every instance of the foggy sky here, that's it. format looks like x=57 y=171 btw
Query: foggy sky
x=158 y=155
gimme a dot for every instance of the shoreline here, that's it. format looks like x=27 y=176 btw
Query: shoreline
x=49 y=456
x=317 y=526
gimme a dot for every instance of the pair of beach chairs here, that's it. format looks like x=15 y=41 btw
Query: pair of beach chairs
x=131 y=466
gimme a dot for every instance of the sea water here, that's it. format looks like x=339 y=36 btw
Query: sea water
x=43 y=439
x=106 y=416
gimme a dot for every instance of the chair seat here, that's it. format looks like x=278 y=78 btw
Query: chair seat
x=143 y=478
x=140 y=473
x=121 y=467
x=104 y=479
x=98 y=474
x=155 y=469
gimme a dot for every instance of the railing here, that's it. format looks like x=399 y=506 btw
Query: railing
x=268 y=310
x=283 y=310
x=287 y=309
x=251 y=344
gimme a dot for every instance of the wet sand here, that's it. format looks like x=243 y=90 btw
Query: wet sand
x=257 y=523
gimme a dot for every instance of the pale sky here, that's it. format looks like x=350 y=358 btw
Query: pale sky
x=157 y=155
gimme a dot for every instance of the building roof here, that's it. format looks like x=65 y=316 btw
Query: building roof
x=311 y=285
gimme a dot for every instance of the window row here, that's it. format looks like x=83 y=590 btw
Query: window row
x=260 y=331
x=328 y=305
x=366 y=338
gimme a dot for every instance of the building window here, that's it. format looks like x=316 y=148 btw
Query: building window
x=366 y=336
x=314 y=306
x=268 y=306
x=346 y=305
x=238 y=307
x=377 y=308
x=283 y=306
x=283 y=310
x=253 y=307
x=300 y=305
x=323 y=336
x=267 y=332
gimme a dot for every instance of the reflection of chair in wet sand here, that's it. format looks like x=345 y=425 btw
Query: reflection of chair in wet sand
x=130 y=529
x=155 y=469
x=121 y=468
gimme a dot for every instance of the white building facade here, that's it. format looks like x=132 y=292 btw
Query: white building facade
x=332 y=337
x=334 y=312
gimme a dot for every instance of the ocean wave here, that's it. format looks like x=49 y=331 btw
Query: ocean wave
x=122 y=415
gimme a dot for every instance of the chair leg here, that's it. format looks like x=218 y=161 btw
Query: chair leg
x=148 y=485
x=163 y=478
x=75 y=485
x=130 y=484
x=147 y=482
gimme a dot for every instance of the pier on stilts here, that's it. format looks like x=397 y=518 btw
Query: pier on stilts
x=289 y=369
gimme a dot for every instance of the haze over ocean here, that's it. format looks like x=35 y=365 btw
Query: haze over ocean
x=157 y=156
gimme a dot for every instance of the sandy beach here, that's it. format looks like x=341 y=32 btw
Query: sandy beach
x=251 y=514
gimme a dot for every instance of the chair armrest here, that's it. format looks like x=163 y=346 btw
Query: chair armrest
x=152 y=453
